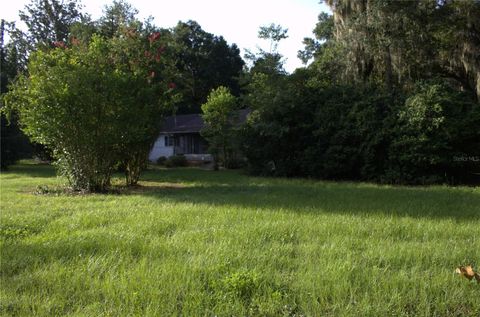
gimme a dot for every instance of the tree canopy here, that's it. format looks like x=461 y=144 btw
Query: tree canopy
x=395 y=43
x=204 y=62
x=390 y=91
x=391 y=95
x=49 y=21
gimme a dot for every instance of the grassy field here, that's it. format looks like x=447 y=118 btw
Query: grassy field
x=200 y=243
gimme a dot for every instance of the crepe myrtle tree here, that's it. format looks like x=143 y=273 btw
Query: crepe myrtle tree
x=95 y=104
x=146 y=66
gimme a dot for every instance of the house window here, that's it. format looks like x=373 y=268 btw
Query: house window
x=169 y=140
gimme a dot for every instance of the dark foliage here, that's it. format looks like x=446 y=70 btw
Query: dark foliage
x=161 y=160
x=204 y=62
x=14 y=144
x=176 y=161
x=391 y=96
x=362 y=133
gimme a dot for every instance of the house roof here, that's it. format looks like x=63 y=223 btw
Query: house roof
x=192 y=123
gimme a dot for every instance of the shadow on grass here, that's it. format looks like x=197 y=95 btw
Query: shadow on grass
x=347 y=198
x=195 y=175
x=232 y=188
x=31 y=169
x=300 y=195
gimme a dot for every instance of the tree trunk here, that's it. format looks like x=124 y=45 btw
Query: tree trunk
x=134 y=166
x=388 y=69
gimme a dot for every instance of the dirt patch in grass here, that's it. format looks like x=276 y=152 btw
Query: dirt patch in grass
x=150 y=187
x=143 y=187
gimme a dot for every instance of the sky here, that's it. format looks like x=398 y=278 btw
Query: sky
x=237 y=21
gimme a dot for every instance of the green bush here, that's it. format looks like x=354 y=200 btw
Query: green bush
x=176 y=161
x=235 y=163
x=94 y=105
x=161 y=160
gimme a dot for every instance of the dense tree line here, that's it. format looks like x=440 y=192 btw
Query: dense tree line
x=391 y=95
x=14 y=144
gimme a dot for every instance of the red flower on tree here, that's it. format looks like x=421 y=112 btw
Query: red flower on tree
x=159 y=53
x=153 y=37
x=172 y=85
x=59 y=44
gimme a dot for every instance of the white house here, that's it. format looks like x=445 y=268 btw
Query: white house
x=180 y=134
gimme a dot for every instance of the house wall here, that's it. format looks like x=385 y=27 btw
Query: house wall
x=159 y=149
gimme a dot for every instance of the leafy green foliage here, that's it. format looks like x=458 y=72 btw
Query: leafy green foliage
x=274 y=33
x=323 y=34
x=378 y=102
x=393 y=44
x=95 y=105
x=60 y=106
x=268 y=62
x=116 y=16
x=49 y=21
x=204 y=62
x=13 y=143
x=349 y=134
x=278 y=125
x=219 y=115
x=144 y=95
x=436 y=126
x=161 y=160
x=302 y=127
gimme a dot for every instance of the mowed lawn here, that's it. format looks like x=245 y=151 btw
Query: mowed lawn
x=192 y=242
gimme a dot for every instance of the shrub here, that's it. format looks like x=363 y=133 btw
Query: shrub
x=161 y=160
x=94 y=105
x=176 y=161
x=235 y=163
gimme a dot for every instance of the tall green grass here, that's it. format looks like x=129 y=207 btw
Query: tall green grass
x=200 y=243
